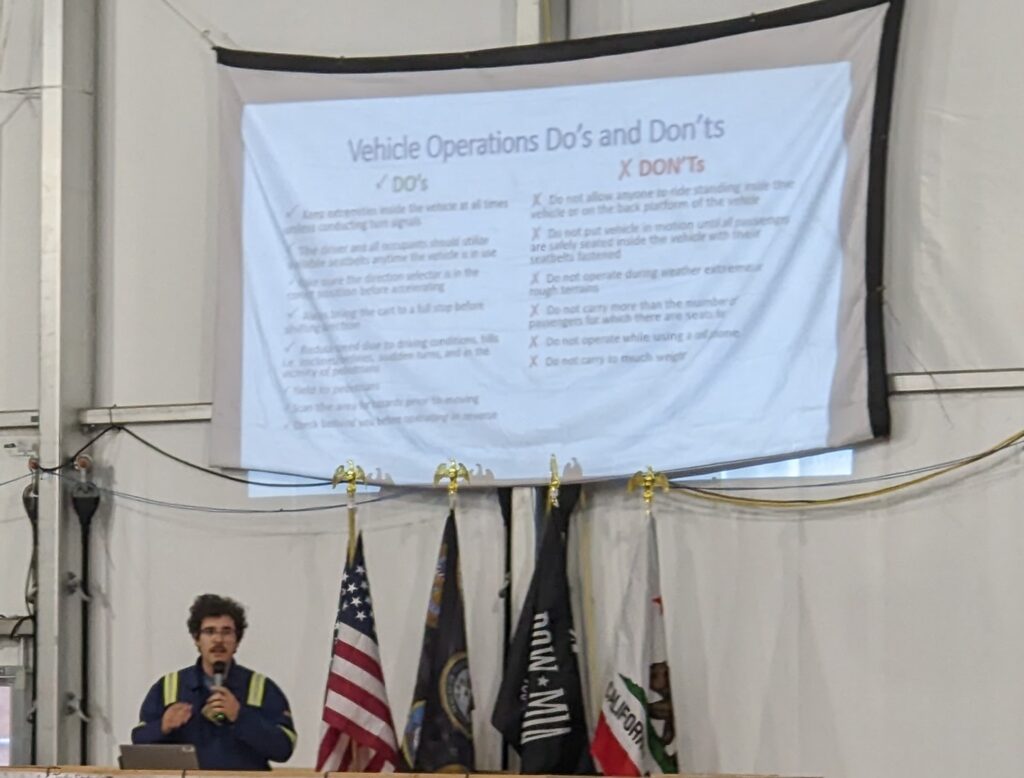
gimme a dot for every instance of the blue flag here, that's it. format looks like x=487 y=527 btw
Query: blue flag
x=439 y=733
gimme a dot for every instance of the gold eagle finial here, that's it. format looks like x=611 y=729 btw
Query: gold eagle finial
x=351 y=474
x=454 y=472
x=650 y=481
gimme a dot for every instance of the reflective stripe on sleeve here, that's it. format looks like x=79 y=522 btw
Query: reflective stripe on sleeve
x=291 y=735
x=170 y=689
x=257 y=685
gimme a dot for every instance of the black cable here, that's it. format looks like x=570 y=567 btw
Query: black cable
x=309 y=482
x=30 y=501
x=236 y=479
x=847 y=482
x=251 y=511
x=714 y=488
x=680 y=483
x=17 y=626
x=85 y=499
x=89 y=444
x=29 y=581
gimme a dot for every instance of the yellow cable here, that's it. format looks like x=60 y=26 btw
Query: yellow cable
x=710 y=496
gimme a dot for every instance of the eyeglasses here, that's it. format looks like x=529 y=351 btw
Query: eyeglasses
x=224 y=632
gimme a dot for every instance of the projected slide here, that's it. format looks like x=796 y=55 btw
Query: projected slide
x=641 y=272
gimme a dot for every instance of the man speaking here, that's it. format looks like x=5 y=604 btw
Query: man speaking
x=236 y=718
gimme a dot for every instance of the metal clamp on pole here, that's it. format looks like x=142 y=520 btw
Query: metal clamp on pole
x=73 y=707
x=30 y=495
x=75 y=585
x=85 y=495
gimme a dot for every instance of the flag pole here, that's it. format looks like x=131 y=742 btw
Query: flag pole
x=553 y=485
x=351 y=474
x=650 y=481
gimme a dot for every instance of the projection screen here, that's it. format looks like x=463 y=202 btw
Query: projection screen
x=659 y=249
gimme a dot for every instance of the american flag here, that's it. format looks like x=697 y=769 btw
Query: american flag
x=356 y=734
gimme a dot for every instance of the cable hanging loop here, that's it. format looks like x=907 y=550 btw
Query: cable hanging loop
x=649 y=481
x=923 y=475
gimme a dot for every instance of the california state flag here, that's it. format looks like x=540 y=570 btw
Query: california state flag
x=635 y=733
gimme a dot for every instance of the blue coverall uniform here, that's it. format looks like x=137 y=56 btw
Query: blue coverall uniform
x=263 y=732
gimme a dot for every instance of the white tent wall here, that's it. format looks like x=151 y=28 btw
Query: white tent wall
x=953 y=232
x=20 y=65
x=607 y=17
x=870 y=640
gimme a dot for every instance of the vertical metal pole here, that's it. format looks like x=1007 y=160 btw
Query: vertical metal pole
x=541 y=21
x=66 y=324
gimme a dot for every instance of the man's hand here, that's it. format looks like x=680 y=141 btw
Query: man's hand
x=221 y=702
x=175 y=716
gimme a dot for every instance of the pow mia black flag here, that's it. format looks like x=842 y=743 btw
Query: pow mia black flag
x=439 y=732
x=540 y=704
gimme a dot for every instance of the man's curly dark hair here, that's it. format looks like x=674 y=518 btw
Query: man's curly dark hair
x=212 y=605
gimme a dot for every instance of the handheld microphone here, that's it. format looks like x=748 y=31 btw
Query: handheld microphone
x=219 y=669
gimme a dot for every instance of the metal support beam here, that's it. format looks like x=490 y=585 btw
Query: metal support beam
x=16 y=420
x=942 y=382
x=67 y=293
x=541 y=21
x=956 y=381
x=12 y=628
x=145 y=414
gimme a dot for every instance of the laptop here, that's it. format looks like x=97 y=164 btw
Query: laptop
x=159 y=756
